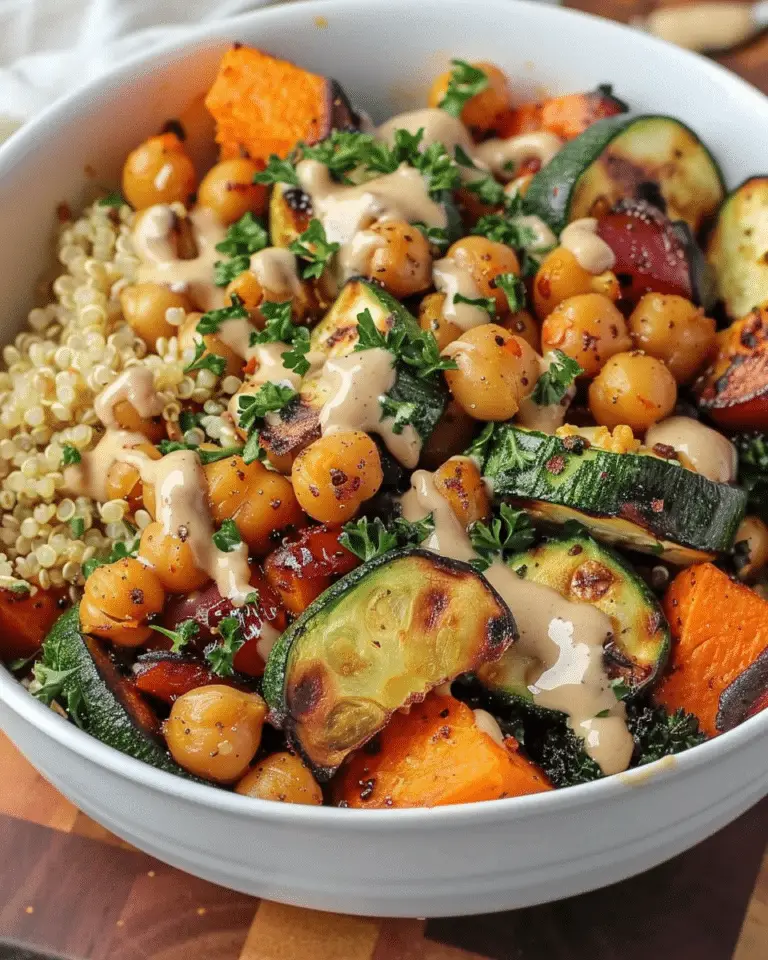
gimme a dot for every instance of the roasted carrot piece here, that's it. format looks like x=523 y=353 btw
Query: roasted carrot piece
x=167 y=676
x=263 y=105
x=24 y=621
x=565 y=116
x=433 y=756
x=719 y=628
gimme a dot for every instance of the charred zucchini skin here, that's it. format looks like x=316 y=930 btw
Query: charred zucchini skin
x=107 y=706
x=585 y=571
x=437 y=616
x=641 y=501
x=738 y=248
x=586 y=170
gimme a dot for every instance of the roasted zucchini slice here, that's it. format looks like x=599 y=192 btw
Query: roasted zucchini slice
x=738 y=248
x=380 y=638
x=298 y=424
x=616 y=159
x=638 y=500
x=100 y=699
x=584 y=571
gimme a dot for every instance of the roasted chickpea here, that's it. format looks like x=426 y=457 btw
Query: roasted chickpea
x=588 y=328
x=228 y=189
x=333 y=476
x=632 y=389
x=260 y=501
x=524 y=325
x=123 y=480
x=281 y=777
x=753 y=555
x=672 y=329
x=561 y=276
x=453 y=433
x=481 y=111
x=246 y=286
x=158 y=171
x=188 y=338
x=431 y=318
x=398 y=257
x=128 y=418
x=484 y=260
x=495 y=370
x=117 y=600
x=172 y=560
x=145 y=305
x=459 y=481
x=215 y=731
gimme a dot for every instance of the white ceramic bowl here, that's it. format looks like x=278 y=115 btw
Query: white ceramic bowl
x=468 y=859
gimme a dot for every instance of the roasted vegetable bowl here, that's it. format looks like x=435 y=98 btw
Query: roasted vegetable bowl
x=392 y=466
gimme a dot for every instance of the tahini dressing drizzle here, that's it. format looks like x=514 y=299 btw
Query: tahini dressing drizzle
x=591 y=251
x=561 y=643
x=711 y=454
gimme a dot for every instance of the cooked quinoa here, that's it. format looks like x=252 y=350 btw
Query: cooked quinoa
x=71 y=349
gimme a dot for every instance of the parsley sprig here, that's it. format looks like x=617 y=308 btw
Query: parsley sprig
x=227 y=538
x=508 y=533
x=206 y=456
x=204 y=360
x=341 y=152
x=211 y=321
x=416 y=348
x=70 y=455
x=277 y=171
x=221 y=655
x=185 y=631
x=555 y=382
x=371 y=538
x=280 y=328
x=314 y=248
x=244 y=238
x=484 y=303
x=466 y=82
x=253 y=408
x=514 y=290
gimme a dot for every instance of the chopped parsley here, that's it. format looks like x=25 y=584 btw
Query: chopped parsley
x=555 y=382
x=405 y=149
x=49 y=683
x=621 y=690
x=270 y=397
x=504 y=229
x=463 y=159
x=488 y=191
x=313 y=247
x=438 y=166
x=484 y=303
x=227 y=538
x=206 y=456
x=113 y=199
x=185 y=631
x=244 y=238
x=466 y=82
x=478 y=449
x=370 y=538
x=77 y=526
x=206 y=361
x=515 y=456
x=436 y=236
x=415 y=347
x=211 y=321
x=70 y=455
x=277 y=171
x=402 y=412
x=514 y=290
x=508 y=533
x=221 y=655
x=342 y=152
x=120 y=550
x=280 y=328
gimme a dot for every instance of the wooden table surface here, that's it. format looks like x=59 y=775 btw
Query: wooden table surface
x=70 y=889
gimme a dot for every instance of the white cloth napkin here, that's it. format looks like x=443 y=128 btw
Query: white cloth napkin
x=49 y=46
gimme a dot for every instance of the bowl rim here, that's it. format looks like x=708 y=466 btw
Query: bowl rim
x=13 y=694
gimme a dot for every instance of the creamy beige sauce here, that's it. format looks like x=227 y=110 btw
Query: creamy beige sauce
x=560 y=645
x=704 y=26
x=236 y=334
x=355 y=385
x=438 y=127
x=504 y=157
x=267 y=639
x=136 y=385
x=355 y=256
x=451 y=278
x=543 y=237
x=591 y=251
x=155 y=241
x=89 y=477
x=711 y=454
x=182 y=508
x=346 y=210
x=275 y=269
x=487 y=723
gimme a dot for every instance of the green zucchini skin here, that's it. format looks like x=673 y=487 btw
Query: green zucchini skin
x=101 y=702
x=738 y=248
x=641 y=501
x=585 y=571
x=576 y=178
x=381 y=637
